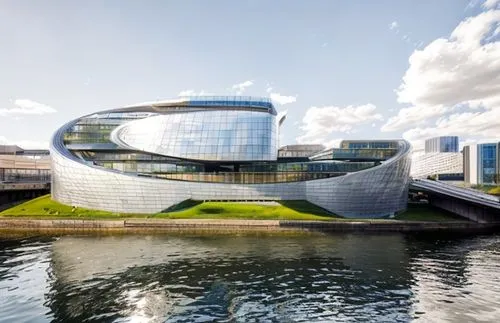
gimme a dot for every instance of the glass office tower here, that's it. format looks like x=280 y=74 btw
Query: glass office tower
x=148 y=157
x=488 y=163
x=482 y=164
x=443 y=144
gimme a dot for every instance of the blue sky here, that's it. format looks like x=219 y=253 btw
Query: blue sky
x=342 y=69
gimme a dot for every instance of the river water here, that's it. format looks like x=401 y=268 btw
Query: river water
x=338 y=277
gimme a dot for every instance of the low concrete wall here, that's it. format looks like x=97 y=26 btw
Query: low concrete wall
x=391 y=226
x=213 y=225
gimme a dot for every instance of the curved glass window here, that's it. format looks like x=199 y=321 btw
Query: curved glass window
x=223 y=135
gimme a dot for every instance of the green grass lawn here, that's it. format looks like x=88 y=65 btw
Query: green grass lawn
x=494 y=191
x=489 y=189
x=44 y=207
x=426 y=212
x=291 y=210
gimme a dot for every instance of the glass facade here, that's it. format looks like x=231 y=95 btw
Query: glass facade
x=21 y=165
x=377 y=144
x=443 y=144
x=226 y=135
x=96 y=129
x=147 y=157
x=488 y=163
x=431 y=164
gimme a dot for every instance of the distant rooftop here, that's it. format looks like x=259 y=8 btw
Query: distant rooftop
x=14 y=149
x=9 y=149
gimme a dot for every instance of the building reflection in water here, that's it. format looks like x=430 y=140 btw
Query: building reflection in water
x=218 y=278
x=307 y=278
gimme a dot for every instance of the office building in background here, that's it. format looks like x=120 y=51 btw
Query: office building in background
x=443 y=144
x=441 y=160
x=482 y=164
x=23 y=165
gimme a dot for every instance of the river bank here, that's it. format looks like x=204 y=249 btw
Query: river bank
x=46 y=217
x=75 y=226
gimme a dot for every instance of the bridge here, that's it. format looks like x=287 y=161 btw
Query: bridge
x=468 y=203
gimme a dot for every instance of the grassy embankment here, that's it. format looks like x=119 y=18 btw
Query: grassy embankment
x=424 y=212
x=45 y=208
x=490 y=189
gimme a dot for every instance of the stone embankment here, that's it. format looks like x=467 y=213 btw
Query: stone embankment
x=228 y=226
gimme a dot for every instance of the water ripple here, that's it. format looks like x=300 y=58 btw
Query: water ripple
x=342 y=278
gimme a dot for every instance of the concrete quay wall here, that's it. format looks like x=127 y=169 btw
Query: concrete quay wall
x=213 y=225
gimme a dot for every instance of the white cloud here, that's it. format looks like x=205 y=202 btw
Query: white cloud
x=318 y=123
x=333 y=143
x=460 y=71
x=269 y=87
x=491 y=4
x=412 y=116
x=324 y=45
x=282 y=99
x=241 y=87
x=473 y=125
x=393 y=25
x=26 y=107
x=193 y=93
x=25 y=144
x=455 y=70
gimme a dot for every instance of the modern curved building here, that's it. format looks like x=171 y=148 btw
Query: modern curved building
x=148 y=157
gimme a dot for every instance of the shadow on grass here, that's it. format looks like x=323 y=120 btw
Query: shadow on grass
x=186 y=204
x=303 y=206
x=426 y=212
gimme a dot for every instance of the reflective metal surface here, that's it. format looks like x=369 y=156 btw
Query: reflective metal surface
x=212 y=151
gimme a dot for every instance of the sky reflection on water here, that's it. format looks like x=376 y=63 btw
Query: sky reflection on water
x=341 y=277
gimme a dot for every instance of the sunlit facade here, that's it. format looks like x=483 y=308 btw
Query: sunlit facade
x=443 y=144
x=148 y=157
x=482 y=164
x=441 y=160
x=19 y=165
x=441 y=165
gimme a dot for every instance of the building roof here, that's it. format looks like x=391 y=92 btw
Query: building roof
x=311 y=147
x=210 y=101
x=10 y=149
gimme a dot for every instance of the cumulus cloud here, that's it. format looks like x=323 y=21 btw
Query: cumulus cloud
x=193 y=93
x=462 y=70
x=25 y=144
x=411 y=116
x=318 y=123
x=454 y=70
x=491 y=4
x=333 y=143
x=282 y=99
x=26 y=107
x=393 y=25
x=241 y=87
x=469 y=125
